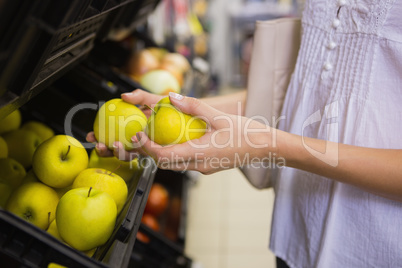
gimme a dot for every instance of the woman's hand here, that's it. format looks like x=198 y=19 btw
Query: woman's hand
x=136 y=97
x=231 y=140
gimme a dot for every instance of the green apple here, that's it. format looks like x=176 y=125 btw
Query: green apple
x=90 y=252
x=125 y=169
x=10 y=122
x=42 y=130
x=5 y=193
x=104 y=180
x=117 y=120
x=52 y=229
x=3 y=148
x=61 y=191
x=22 y=145
x=160 y=82
x=167 y=125
x=30 y=177
x=86 y=218
x=58 y=160
x=55 y=265
x=11 y=172
x=35 y=202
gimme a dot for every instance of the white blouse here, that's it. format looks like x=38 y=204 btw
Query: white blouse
x=347 y=88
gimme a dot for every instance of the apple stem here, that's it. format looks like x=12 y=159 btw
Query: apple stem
x=113 y=171
x=89 y=192
x=48 y=218
x=65 y=156
x=148 y=107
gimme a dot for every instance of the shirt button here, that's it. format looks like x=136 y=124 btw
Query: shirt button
x=341 y=2
x=327 y=66
x=335 y=23
x=331 y=45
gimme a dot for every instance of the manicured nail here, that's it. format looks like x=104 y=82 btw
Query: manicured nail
x=127 y=94
x=176 y=96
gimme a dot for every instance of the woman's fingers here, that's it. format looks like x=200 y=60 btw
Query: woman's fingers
x=140 y=97
x=91 y=137
x=122 y=154
x=102 y=150
x=179 y=156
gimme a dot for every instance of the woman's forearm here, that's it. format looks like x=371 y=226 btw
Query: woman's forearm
x=233 y=103
x=377 y=171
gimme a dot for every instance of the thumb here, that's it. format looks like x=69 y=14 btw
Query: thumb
x=193 y=106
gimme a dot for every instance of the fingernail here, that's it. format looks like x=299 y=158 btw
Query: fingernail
x=115 y=145
x=127 y=94
x=176 y=96
x=134 y=139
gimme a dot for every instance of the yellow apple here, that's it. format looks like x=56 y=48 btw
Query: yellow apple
x=167 y=125
x=42 y=130
x=5 y=193
x=10 y=122
x=125 y=169
x=22 y=145
x=58 y=160
x=117 y=120
x=3 y=148
x=35 y=202
x=104 y=180
x=86 y=218
x=90 y=252
x=12 y=175
x=55 y=265
x=61 y=191
x=52 y=229
x=11 y=172
x=30 y=177
x=160 y=82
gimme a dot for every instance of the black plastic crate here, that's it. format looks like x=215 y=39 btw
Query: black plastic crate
x=23 y=244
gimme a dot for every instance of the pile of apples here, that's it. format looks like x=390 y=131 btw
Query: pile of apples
x=51 y=182
x=158 y=70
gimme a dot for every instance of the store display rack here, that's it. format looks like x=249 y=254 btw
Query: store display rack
x=41 y=40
